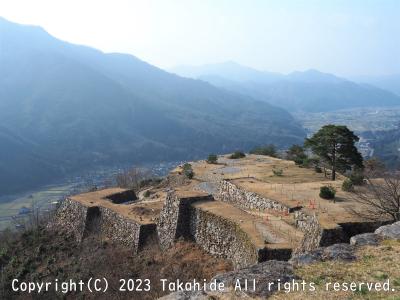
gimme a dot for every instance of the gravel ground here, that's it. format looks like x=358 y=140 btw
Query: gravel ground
x=228 y=170
x=207 y=187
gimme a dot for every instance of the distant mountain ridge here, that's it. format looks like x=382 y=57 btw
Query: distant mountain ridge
x=388 y=82
x=64 y=108
x=310 y=91
x=228 y=70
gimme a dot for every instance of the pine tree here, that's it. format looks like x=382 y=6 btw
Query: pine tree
x=336 y=146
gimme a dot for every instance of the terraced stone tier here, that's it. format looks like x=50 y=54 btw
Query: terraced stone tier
x=93 y=212
x=221 y=229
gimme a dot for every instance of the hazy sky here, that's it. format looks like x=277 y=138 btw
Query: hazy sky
x=349 y=37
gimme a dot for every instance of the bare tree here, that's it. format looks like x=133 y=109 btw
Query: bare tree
x=132 y=177
x=374 y=167
x=379 y=198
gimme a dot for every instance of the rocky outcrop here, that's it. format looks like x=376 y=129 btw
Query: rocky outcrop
x=186 y=295
x=258 y=281
x=266 y=276
x=345 y=252
x=363 y=239
x=229 y=192
x=391 y=231
x=342 y=252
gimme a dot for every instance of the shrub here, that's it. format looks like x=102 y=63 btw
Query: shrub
x=269 y=150
x=347 y=185
x=308 y=162
x=3 y=255
x=305 y=162
x=327 y=192
x=317 y=169
x=132 y=177
x=357 y=178
x=277 y=172
x=147 y=193
x=299 y=161
x=212 y=159
x=296 y=153
x=150 y=182
x=188 y=171
x=374 y=167
x=237 y=155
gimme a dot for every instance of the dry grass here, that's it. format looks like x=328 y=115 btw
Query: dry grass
x=264 y=229
x=260 y=167
x=374 y=264
x=144 y=211
x=48 y=256
x=296 y=187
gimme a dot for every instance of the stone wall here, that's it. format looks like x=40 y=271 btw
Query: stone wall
x=119 y=229
x=219 y=236
x=312 y=232
x=315 y=236
x=174 y=219
x=229 y=192
x=167 y=221
x=222 y=237
x=71 y=217
x=81 y=221
x=175 y=179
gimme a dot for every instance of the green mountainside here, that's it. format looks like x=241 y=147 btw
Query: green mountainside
x=64 y=108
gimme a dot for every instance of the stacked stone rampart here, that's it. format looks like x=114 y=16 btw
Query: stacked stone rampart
x=173 y=222
x=231 y=193
x=71 y=217
x=219 y=236
x=81 y=221
x=222 y=237
x=314 y=235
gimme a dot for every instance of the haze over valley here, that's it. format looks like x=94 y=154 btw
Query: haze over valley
x=189 y=149
x=307 y=91
x=67 y=110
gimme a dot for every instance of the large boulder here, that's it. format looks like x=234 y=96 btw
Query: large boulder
x=186 y=295
x=307 y=258
x=391 y=231
x=342 y=252
x=266 y=276
x=365 y=239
